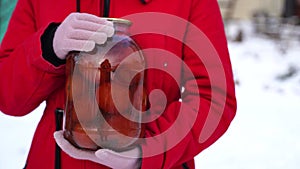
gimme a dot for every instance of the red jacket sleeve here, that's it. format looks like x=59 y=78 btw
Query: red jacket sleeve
x=209 y=94
x=26 y=78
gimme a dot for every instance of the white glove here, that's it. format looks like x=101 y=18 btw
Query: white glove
x=116 y=160
x=80 y=32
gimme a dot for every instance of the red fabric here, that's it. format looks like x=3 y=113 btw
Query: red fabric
x=27 y=79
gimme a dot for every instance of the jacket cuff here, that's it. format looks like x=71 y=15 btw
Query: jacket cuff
x=47 y=46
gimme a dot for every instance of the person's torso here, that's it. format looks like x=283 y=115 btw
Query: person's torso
x=156 y=44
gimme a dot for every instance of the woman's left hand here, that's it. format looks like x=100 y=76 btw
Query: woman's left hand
x=117 y=160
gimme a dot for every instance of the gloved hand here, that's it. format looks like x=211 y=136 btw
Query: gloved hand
x=80 y=32
x=116 y=160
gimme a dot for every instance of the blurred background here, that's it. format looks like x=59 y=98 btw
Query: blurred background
x=263 y=41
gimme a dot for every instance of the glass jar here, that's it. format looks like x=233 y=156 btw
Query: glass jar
x=105 y=95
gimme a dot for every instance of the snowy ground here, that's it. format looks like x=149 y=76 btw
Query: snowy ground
x=264 y=134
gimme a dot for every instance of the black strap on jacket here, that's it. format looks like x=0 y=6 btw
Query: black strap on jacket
x=77 y=5
x=185 y=166
x=58 y=126
x=106 y=8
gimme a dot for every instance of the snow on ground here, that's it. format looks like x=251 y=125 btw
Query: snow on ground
x=16 y=135
x=265 y=132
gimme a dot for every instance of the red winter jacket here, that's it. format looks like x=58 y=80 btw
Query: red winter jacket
x=27 y=79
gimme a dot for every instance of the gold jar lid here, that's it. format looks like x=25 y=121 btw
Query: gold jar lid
x=120 y=20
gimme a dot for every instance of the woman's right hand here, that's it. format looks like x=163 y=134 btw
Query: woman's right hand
x=81 y=32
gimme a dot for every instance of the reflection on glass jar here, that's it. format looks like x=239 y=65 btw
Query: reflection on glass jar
x=105 y=93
